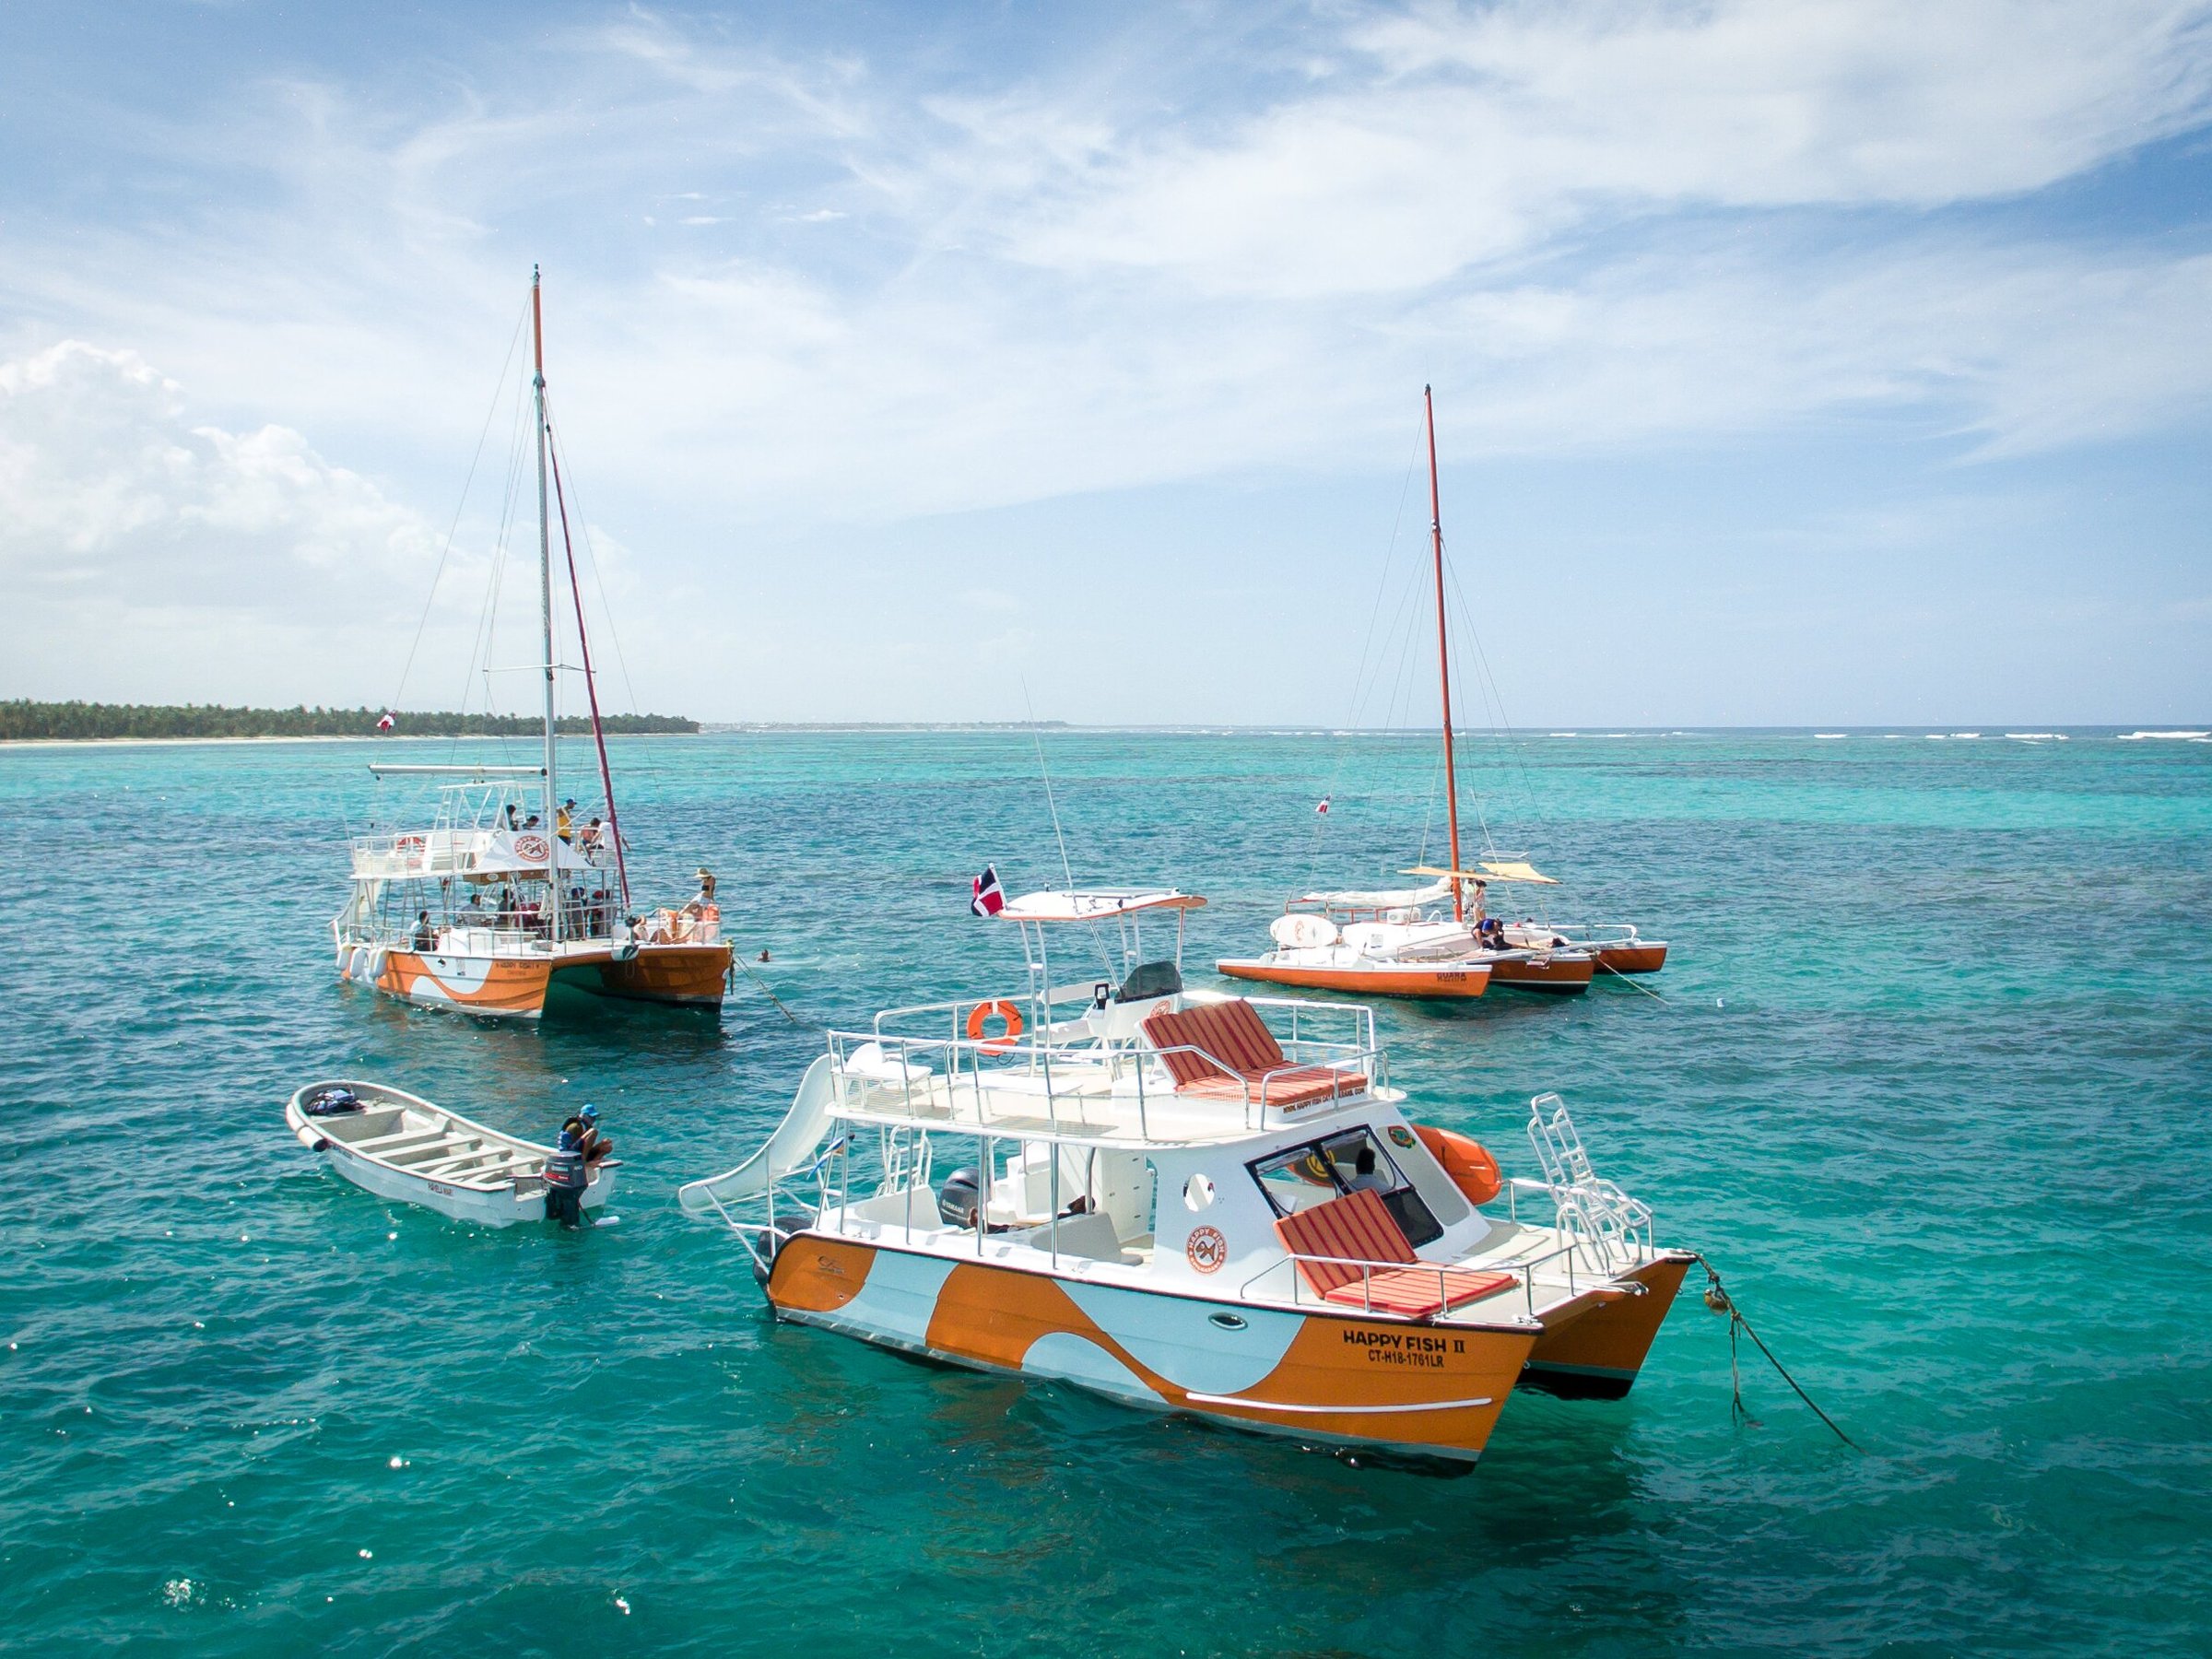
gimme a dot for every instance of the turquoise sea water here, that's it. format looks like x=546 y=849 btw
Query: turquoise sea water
x=1931 y=1082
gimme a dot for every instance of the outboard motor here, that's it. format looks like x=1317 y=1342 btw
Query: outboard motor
x=960 y=1197
x=773 y=1239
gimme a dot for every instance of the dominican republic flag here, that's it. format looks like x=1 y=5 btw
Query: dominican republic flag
x=990 y=898
x=1323 y=807
x=388 y=722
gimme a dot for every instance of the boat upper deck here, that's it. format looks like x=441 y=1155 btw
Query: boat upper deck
x=1127 y=1075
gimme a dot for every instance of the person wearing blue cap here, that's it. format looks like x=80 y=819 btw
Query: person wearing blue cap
x=596 y=1146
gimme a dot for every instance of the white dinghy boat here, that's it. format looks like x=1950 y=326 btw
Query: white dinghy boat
x=401 y=1146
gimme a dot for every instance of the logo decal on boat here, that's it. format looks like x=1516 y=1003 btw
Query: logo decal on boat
x=1401 y=1135
x=530 y=846
x=1207 y=1249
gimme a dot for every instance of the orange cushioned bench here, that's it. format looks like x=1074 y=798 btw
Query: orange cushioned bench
x=1357 y=1227
x=1236 y=1055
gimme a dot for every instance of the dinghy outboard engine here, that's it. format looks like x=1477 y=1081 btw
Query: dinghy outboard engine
x=773 y=1239
x=960 y=1197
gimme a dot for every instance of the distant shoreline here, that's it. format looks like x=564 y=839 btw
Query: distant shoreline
x=2197 y=731
x=26 y=719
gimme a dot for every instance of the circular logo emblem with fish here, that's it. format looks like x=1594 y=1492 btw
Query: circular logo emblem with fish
x=530 y=846
x=1401 y=1135
x=1207 y=1249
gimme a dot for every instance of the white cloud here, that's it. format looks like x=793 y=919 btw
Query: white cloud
x=1488 y=130
x=1196 y=254
x=136 y=538
x=104 y=476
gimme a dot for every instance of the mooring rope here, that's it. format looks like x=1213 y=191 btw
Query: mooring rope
x=1655 y=995
x=738 y=960
x=1719 y=1301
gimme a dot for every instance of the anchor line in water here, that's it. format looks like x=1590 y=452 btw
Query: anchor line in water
x=738 y=960
x=1655 y=995
x=1719 y=1301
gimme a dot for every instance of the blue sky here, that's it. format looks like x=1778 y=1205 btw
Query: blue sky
x=1794 y=363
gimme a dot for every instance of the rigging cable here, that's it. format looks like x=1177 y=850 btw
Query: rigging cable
x=444 y=553
x=591 y=554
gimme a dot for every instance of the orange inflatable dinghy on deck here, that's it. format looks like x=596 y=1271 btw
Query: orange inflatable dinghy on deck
x=1473 y=1170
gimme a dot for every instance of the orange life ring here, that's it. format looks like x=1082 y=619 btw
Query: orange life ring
x=998 y=1009
x=1473 y=1170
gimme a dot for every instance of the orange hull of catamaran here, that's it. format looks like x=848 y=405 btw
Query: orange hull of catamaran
x=1563 y=974
x=1629 y=959
x=504 y=988
x=1596 y=1354
x=1445 y=980
x=689 y=974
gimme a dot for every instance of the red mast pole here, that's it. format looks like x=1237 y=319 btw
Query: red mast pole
x=1444 y=658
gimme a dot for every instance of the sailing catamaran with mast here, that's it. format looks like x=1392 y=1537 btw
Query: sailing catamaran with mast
x=505 y=894
x=1399 y=941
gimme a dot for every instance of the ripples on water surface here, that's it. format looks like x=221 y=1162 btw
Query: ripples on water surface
x=1930 y=1081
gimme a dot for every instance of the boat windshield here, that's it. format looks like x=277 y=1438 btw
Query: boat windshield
x=1349 y=1162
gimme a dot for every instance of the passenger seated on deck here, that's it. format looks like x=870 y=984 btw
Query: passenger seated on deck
x=1491 y=934
x=426 y=936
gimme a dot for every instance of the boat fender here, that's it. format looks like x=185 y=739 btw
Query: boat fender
x=1473 y=1170
x=375 y=967
x=982 y=1013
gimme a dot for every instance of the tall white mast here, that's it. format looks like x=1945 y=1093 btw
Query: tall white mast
x=1443 y=660
x=544 y=585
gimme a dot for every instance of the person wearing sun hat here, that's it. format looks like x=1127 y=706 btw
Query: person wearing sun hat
x=703 y=914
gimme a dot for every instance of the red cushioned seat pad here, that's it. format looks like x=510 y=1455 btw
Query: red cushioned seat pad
x=1415 y=1292
x=1235 y=1047
x=1356 y=1226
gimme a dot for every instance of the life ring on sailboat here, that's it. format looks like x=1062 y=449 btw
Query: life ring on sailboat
x=983 y=1013
x=409 y=847
x=1473 y=1170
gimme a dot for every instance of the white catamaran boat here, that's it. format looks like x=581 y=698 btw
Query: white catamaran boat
x=401 y=1146
x=1437 y=941
x=1189 y=1202
x=509 y=890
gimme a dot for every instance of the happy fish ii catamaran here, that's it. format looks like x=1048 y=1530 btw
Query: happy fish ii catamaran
x=505 y=890
x=1189 y=1202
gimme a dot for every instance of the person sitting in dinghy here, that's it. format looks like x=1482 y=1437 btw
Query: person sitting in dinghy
x=594 y=1144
